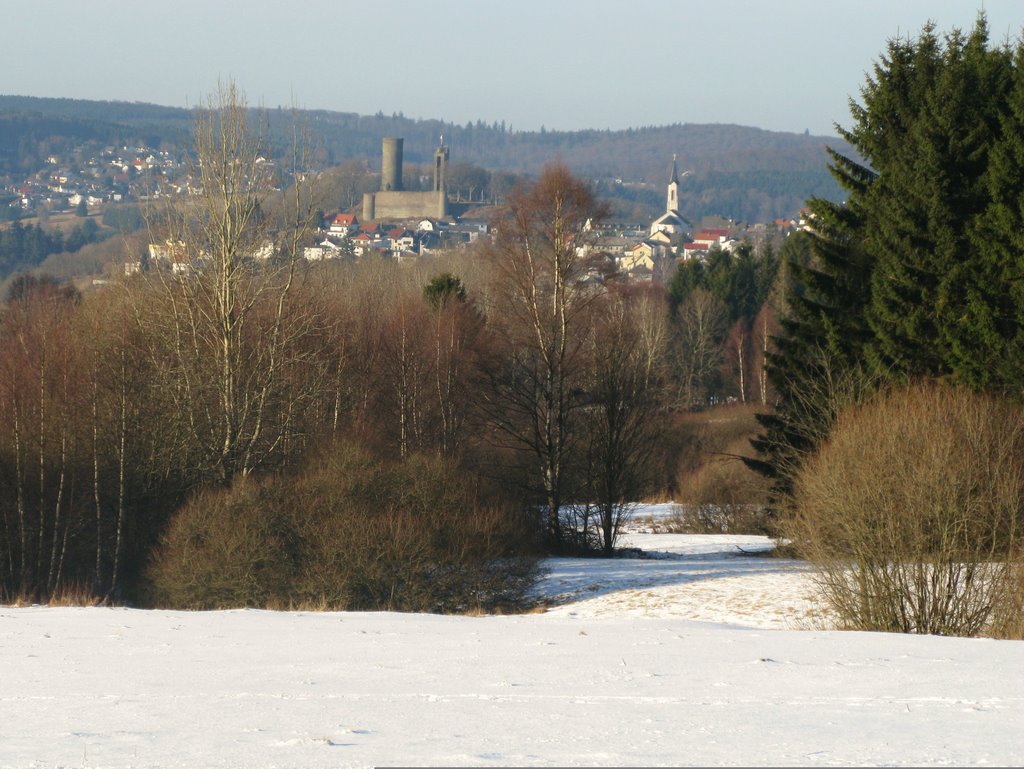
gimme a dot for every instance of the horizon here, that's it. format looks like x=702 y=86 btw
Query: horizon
x=400 y=116
x=787 y=68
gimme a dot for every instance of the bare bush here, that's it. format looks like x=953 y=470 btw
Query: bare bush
x=226 y=548
x=911 y=511
x=350 y=533
x=718 y=492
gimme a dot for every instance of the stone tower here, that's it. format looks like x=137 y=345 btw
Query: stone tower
x=441 y=168
x=392 y=202
x=391 y=165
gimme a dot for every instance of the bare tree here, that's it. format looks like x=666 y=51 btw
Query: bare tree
x=701 y=324
x=766 y=326
x=538 y=312
x=453 y=336
x=738 y=356
x=626 y=394
x=39 y=405
x=223 y=270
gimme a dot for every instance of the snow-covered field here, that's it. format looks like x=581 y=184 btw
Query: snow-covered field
x=707 y=654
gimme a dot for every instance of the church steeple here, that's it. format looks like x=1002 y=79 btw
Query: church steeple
x=672 y=201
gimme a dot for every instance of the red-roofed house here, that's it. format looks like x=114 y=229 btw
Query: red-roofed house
x=343 y=224
x=694 y=251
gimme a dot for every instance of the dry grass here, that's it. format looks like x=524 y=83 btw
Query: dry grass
x=65 y=596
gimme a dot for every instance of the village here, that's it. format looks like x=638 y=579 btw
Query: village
x=92 y=180
x=96 y=177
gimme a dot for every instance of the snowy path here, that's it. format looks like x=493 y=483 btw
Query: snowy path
x=621 y=675
x=702 y=577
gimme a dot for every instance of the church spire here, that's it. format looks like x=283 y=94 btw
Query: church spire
x=672 y=199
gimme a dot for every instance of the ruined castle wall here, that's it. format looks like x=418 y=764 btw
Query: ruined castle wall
x=405 y=205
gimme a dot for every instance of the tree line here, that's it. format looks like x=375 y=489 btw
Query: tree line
x=23 y=247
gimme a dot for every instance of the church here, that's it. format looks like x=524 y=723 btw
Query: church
x=671 y=222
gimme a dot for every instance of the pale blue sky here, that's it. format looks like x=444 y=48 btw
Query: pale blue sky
x=786 y=65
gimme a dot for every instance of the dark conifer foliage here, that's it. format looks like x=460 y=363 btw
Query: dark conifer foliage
x=931 y=187
x=916 y=274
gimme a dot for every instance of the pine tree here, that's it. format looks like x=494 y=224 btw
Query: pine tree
x=986 y=346
x=818 y=363
x=919 y=272
x=930 y=190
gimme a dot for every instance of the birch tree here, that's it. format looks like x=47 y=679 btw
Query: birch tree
x=538 y=312
x=223 y=273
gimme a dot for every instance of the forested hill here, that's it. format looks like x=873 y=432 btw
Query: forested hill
x=739 y=172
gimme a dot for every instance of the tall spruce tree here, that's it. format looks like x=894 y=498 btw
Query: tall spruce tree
x=930 y=190
x=986 y=346
x=906 y=281
x=818 y=363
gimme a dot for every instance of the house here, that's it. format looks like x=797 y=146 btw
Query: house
x=325 y=249
x=646 y=260
x=642 y=254
x=371 y=231
x=609 y=244
x=694 y=251
x=170 y=255
x=402 y=240
x=264 y=251
x=343 y=224
x=662 y=238
x=365 y=244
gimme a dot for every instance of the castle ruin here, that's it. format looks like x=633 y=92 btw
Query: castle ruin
x=393 y=202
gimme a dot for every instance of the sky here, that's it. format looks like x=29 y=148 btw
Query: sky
x=789 y=65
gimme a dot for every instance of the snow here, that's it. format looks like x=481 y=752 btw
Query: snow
x=703 y=577
x=707 y=654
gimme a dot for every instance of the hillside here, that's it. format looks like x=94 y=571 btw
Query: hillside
x=735 y=171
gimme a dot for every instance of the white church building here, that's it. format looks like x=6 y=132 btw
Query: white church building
x=671 y=222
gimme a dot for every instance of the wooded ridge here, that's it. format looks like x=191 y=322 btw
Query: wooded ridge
x=740 y=172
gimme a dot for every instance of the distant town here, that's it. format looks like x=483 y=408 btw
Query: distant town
x=635 y=250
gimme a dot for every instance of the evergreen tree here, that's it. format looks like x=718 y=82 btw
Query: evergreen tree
x=917 y=273
x=930 y=189
x=443 y=289
x=986 y=347
x=687 y=278
x=818 y=363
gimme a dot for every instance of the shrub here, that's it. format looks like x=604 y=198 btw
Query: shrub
x=226 y=548
x=716 y=490
x=911 y=511
x=349 y=533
